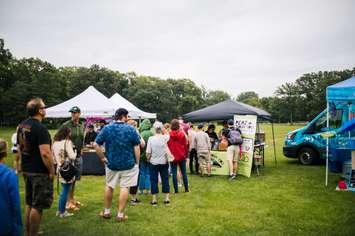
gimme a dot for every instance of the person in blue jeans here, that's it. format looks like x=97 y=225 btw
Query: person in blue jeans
x=10 y=217
x=158 y=155
x=178 y=146
x=144 y=177
x=63 y=152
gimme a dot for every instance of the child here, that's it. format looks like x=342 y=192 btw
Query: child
x=10 y=217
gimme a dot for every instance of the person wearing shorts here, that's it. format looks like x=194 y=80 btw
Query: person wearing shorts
x=233 y=152
x=121 y=159
x=34 y=148
x=203 y=149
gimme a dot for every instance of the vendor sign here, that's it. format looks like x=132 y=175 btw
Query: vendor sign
x=219 y=163
x=246 y=124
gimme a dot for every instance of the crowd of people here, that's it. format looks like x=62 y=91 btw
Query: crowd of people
x=135 y=159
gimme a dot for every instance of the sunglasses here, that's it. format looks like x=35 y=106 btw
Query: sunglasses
x=43 y=107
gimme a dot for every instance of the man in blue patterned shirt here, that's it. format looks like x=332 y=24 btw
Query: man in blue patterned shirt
x=121 y=158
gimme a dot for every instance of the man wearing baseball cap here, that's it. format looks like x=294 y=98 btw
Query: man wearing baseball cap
x=234 y=137
x=121 y=158
x=77 y=128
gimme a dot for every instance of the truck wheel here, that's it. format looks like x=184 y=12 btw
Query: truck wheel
x=307 y=156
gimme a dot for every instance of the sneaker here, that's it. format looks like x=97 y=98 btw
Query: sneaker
x=105 y=216
x=135 y=202
x=154 y=203
x=121 y=218
x=231 y=177
x=65 y=214
x=167 y=202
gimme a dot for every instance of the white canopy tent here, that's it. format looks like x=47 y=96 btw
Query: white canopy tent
x=91 y=103
x=134 y=111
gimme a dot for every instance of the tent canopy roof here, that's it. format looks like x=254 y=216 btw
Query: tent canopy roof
x=342 y=91
x=134 y=111
x=224 y=111
x=91 y=103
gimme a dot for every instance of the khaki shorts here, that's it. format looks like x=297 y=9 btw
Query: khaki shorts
x=233 y=152
x=123 y=179
x=204 y=158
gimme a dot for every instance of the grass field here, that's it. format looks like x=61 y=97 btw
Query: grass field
x=287 y=199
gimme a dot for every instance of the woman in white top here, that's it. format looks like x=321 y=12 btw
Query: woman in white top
x=158 y=154
x=17 y=164
x=63 y=151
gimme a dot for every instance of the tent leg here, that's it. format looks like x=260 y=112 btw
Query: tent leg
x=273 y=140
x=327 y=150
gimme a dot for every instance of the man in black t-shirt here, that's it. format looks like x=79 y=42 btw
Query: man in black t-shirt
x=213 y=135
x=34 y=146
x=90 y=135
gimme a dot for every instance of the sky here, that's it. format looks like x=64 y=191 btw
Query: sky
x=234 y=46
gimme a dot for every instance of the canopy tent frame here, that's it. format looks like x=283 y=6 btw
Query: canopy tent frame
x=226 y=110
x=133 y=110
x=95 y=104
x=342 y=92
x=91 y=102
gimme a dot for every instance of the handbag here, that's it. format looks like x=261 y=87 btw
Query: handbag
x=67 y=170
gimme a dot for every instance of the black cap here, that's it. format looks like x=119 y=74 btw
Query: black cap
x=230 y=122
x=75 y=109
x=121 y=112
x=200 y=126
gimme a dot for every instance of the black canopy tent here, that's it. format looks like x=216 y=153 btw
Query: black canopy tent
x=226 y=110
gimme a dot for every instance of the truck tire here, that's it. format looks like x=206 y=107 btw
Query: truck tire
x=307 y=156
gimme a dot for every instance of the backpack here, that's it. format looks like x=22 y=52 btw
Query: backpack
x=235 y=137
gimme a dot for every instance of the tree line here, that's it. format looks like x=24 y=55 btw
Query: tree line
x=25 y=78
x=298 y=101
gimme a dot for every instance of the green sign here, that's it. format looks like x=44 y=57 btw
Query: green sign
x=246 y=124
x=219 y=163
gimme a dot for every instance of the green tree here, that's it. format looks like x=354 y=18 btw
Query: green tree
x=151 y=94
x=250 y=98
x=215 y=96
x=6 y=78
x=34 y=78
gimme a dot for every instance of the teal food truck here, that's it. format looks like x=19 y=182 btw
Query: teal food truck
x=309 y=144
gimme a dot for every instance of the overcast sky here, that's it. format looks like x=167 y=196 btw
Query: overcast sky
x=234 y=46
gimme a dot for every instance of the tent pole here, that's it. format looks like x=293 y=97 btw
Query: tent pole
x=349 y=116
x=258 y=127
x=273 y=140
x=327 y=149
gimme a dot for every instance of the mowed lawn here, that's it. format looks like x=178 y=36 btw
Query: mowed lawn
x=286 y=199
